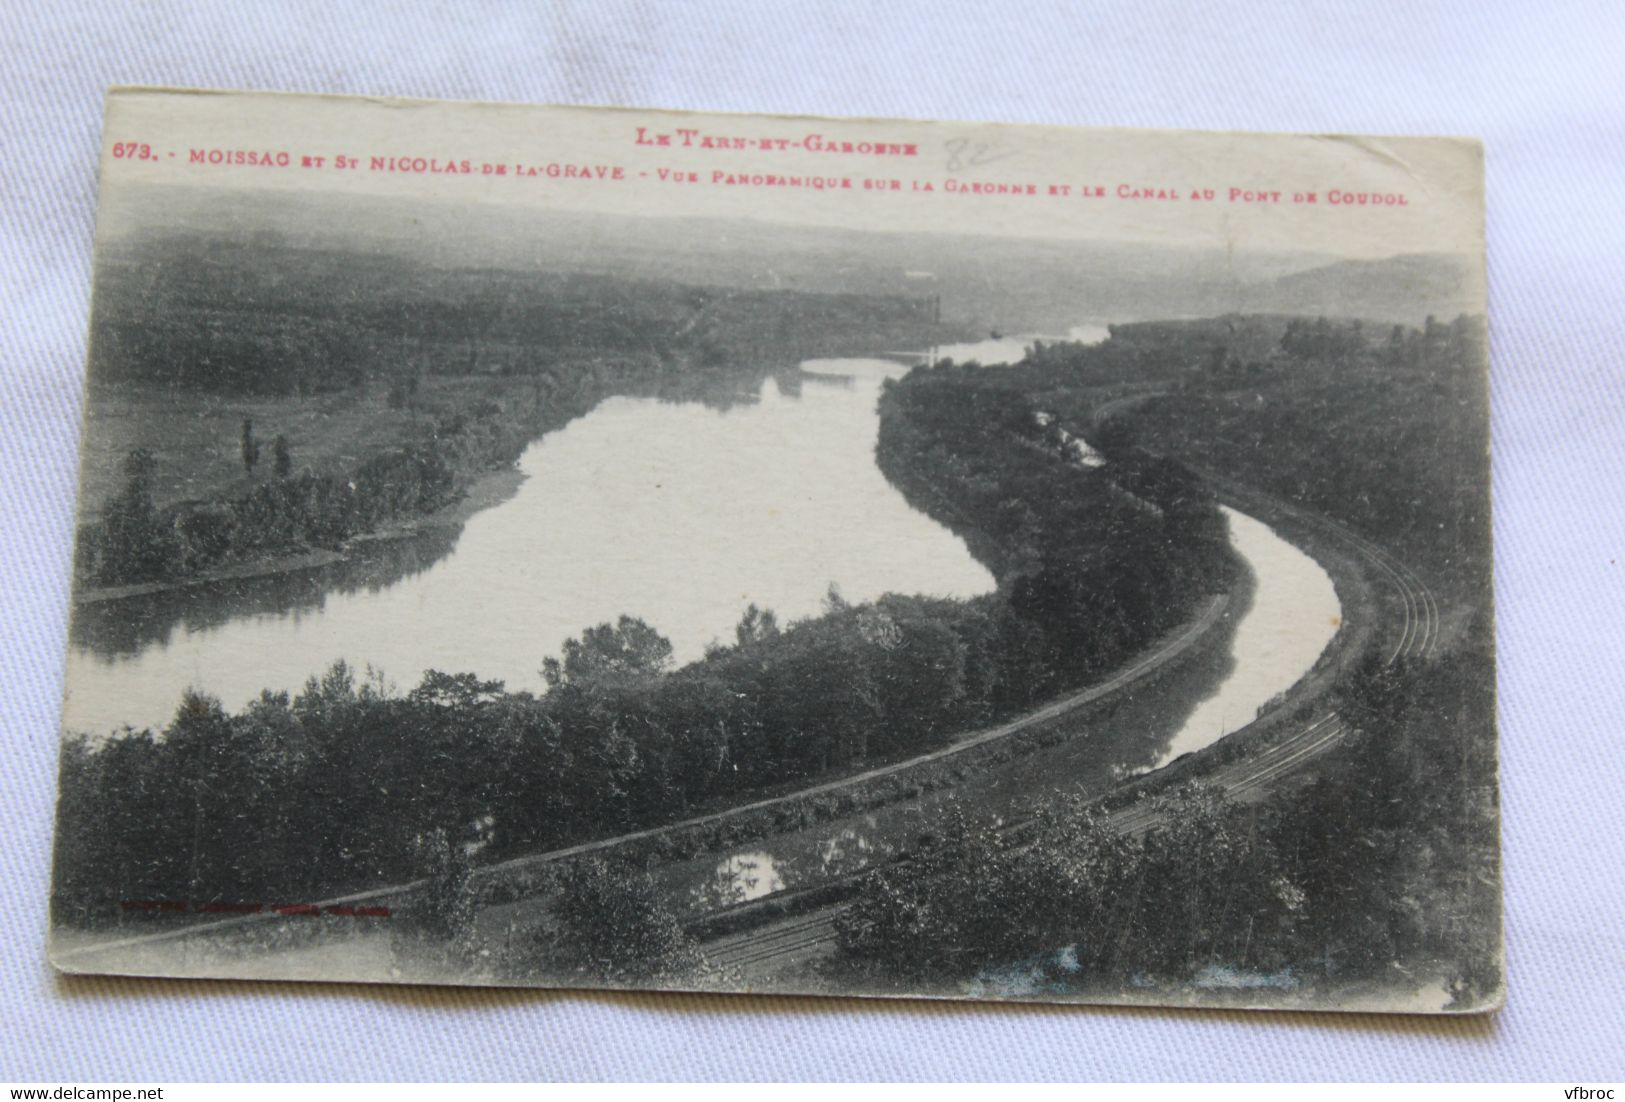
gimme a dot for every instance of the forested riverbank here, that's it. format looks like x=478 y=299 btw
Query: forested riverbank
x=295 y=400
x=346 y=785
x=1383 y=428
x=1379 y=861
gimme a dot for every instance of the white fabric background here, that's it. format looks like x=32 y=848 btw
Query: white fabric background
x=1543 y=84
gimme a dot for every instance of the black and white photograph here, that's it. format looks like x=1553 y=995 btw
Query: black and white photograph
x=552 y=547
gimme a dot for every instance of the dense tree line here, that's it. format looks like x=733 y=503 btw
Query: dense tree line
x=1390 y=854
x=1093 y=564
x=1387 y=858
x=341 y=785
x=462 y=433
x=531 y=351
x=135 y=541
x=1383 y=428
x=213 y=313
x=219 y=314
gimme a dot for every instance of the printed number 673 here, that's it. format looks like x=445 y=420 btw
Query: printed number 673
x=132 y=151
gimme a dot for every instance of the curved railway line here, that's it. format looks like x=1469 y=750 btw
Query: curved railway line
x=789 y=940
x=1166 y=650
x=794 y=939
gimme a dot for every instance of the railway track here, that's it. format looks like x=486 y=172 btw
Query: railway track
x=814 y=931
x=784 y=939
x=1168 y=649
x=1418 y=632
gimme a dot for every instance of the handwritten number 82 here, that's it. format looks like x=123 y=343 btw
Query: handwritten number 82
x=964 y=153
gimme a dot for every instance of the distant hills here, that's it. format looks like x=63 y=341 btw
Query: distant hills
x=1010 y=284
x=1399 y=288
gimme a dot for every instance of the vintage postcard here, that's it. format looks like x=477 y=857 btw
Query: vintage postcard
x=555 y=546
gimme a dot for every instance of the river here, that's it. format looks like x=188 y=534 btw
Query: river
x=1274 y=638
x=1293 y=616
x=677 y=513
x=681 y=514
x=1003 y=350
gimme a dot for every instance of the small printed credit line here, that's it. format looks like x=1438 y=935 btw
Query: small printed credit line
x=178 y=906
